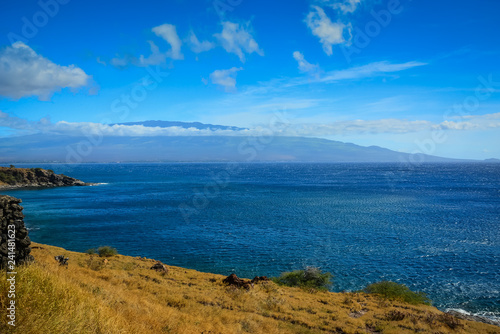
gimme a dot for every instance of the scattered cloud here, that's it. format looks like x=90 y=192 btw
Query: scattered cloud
x=122 y=61
x=197 y=46
x=169 y=33
x=328 y=32
x=236 y=39
x=100 y=61
x=225 y=78
x=369 y=70
x=346 y=6
x=155 y=58
x=304 y=65
x=24 y=73
x=165 y=31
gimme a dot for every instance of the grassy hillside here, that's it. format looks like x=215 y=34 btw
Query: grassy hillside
x=125 y=296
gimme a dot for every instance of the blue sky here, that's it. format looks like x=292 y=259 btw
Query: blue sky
x=413 y=76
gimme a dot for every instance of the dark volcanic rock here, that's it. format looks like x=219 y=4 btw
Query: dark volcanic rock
x=35 y=177
x=14 y=243
x=258 y=279
x=160 y=267
x=234 y=280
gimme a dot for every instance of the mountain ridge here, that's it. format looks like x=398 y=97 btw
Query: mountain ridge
x=78 y=149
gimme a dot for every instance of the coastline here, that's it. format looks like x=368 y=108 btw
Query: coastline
x=460 y=315
x=12 y=178
x=124 y=294
x=43 y=186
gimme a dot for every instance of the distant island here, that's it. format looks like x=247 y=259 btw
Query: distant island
x=207 y=146
x=12 y=178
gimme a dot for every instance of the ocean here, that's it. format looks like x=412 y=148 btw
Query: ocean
x=433 y=227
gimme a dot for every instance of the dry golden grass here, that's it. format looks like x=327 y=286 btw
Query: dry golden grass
x=125 y=296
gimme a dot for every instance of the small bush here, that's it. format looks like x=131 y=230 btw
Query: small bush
x=94 y=263
x=106 y=251
x=7 y=178
x=310 y=277
x=91 y=251
x=395 y=291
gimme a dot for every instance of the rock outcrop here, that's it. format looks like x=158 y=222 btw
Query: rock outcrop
x=471 y=317
x=160 y=267
x=11 y=178
x=14 y=243
x=234 y=280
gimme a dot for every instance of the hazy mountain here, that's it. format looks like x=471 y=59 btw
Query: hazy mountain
x=52 y=148
x=186 y=125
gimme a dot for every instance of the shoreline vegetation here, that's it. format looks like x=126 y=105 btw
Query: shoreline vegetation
x=15 y=178
x=112 y=293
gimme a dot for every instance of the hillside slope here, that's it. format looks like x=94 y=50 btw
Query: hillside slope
x=123 y=295
x=69 y=149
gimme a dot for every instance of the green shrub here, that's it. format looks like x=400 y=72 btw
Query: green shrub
x=311 y=277
x=7 y=178
x=91 y=251
x=106 y=251
x=395 y=291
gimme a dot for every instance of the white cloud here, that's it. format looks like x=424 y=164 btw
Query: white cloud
x=369 y=70
x=328 y=32
x=100 y=61
x=156 y=57
x=234 y=38
x=122 y=62
x=24 y=73
x=304 y=65
x=165 y=31
x=225 y=78
x=346 y=6
x=197 y=46
x=169 y=33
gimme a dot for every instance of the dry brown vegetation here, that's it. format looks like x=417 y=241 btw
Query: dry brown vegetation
x=123 y=295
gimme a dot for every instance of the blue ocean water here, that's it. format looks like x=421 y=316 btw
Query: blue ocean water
x=433 y=227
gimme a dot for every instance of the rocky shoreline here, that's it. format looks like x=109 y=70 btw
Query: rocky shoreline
x=16 y=178
x=471 y=317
